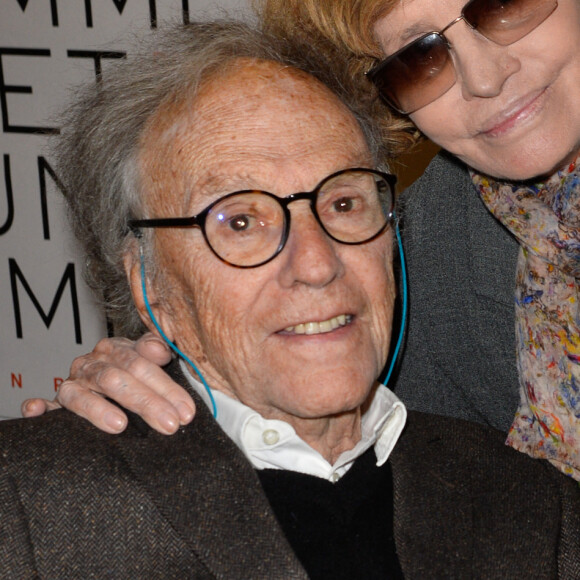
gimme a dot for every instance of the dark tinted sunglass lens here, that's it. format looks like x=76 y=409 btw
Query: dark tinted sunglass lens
x=507 y=21
x=416 y=75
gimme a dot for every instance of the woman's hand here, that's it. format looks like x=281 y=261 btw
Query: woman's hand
x=129 y=373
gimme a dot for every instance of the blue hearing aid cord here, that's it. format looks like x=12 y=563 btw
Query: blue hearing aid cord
x=404 y=305
x=181 y=354
x=172 y=345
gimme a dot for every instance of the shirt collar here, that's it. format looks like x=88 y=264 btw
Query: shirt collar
x=274 y=444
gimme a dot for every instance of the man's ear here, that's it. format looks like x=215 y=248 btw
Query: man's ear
x=136 y=269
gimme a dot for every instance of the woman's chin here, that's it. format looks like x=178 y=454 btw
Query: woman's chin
x=524 y=165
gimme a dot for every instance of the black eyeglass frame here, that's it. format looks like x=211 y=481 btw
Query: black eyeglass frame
x=200 y=219
x=374 y=72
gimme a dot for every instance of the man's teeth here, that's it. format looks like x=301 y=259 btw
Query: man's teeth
x=320 y=327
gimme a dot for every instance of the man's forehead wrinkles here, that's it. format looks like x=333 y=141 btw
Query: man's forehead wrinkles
x=277 y=178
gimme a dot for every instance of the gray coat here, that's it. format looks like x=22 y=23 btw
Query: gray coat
x=76 y=503
x=460 y=356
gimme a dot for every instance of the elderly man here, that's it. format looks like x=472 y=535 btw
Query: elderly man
x=230 y=202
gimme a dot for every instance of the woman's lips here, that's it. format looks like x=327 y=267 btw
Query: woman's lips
x=322 y=327
x=520 y=111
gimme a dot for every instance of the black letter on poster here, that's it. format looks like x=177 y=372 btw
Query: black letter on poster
x=119 y=4
x=53 y=9
x=43 y=169
x=97 y=56
x=185 y=11
x=22 y=89
x=68 y=276
x=9 y=197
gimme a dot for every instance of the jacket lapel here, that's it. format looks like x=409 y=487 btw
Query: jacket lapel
x=467 y=506
x=205 y=487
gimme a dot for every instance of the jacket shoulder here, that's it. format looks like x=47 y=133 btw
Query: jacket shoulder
x=28 y=444
x=477 y=508
x=134 y=505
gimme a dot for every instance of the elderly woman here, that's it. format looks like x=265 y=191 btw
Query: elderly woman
x=231 y=203
x=495 y=84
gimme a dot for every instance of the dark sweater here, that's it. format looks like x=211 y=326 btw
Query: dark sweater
x=340 y=530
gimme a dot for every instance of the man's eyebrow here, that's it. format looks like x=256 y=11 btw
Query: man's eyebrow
x=362 y=159
x=214 y=187
x=224 y=184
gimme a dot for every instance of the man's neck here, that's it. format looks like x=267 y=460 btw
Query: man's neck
x=330 y=436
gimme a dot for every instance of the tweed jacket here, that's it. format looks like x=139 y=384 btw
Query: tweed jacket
x=77 y=503
x=460 y=358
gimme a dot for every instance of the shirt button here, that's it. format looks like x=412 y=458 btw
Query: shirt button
x=270 y=437
x=335 y=477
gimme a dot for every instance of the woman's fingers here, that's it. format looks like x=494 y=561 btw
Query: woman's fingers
x=37 y=406
x=129 y=374
x=77 y=396
x=154 y=349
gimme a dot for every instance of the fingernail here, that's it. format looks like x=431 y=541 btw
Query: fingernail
x=168 y=423
x=186 y=413
x=114 y=421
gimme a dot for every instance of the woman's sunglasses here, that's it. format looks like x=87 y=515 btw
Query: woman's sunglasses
x=423 y=70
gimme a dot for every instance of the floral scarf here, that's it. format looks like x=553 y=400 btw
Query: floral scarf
x=545 y=218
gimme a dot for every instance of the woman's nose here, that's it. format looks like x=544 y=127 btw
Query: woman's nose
x=311 y=256
x=482 y=66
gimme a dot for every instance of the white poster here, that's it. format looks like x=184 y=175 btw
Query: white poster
x=47 y=316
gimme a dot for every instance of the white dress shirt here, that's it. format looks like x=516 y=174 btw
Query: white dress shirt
x=274 y=444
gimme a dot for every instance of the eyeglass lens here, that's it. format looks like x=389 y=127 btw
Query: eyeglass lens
x=423 y=70
x=248 y=229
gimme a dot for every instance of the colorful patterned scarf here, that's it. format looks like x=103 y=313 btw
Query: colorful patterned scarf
x=545 y=218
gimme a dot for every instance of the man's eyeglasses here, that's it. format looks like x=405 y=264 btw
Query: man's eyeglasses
x=249 y=228
x=423 y=70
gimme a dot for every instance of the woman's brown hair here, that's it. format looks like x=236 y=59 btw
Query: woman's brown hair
x=343 y=31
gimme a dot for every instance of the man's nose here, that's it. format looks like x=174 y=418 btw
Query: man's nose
x=482 y=66
x=311 y=256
